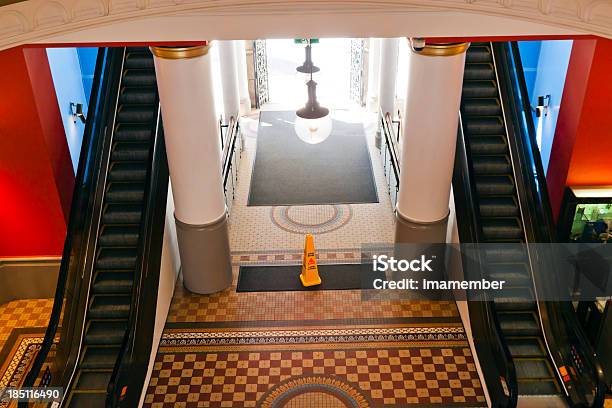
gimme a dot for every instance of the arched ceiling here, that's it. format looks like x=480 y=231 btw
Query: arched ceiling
x=72 y=21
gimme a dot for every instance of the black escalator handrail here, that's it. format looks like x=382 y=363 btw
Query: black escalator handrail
x=491 y=347
x=229 y=150
x=130 y=371
x=78 y=232
x=565 y=338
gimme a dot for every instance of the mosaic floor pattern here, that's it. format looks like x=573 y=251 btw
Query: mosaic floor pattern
x=371 y=367
x=22 y=330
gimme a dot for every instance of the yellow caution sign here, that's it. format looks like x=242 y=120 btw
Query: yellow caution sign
x=310 y=272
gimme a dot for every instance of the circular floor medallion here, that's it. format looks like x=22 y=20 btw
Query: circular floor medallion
x=319 y=391
x=311 y=219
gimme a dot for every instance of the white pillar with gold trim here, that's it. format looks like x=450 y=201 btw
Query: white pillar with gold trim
x=373 y=74
x=243 y=79
x=388 y=74
x=191 y=132
x=229 y=80
x=430 y=121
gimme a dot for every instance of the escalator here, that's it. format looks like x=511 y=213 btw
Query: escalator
x=501 y=202
x=500 y=220
x=108 y=280
x=115 y=266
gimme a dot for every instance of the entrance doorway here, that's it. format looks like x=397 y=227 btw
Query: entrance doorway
x=334 y=56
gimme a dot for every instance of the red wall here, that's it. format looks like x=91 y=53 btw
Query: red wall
x=582 y=149
x=36 y=177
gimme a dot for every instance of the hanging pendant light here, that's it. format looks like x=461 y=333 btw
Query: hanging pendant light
x=308 y=67
x=313 y=123
x=312 y=110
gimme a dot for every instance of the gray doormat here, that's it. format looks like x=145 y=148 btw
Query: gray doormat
x=288 y=171
x=275 y=278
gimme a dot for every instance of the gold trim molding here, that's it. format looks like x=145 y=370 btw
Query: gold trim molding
x=443 y=49
x=180 y=52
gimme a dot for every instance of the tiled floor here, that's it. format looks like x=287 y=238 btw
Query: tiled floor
x=22 y=329
x=310 y=348
x=264 y=228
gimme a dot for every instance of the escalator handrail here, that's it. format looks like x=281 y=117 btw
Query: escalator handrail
x=557 y=318
x=129 y=373
x=486 y=329
x=78 y=233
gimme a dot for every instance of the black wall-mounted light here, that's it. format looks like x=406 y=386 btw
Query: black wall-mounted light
x=543 y=105
x=76 y=110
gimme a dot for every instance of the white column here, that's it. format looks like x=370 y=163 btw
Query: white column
x=229 y=80
x=430 y=119
x=373 y=74
x=243 y=79
x=388 y=74
x=184 y=82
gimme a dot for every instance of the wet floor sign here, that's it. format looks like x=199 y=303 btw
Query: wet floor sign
x=310 y=272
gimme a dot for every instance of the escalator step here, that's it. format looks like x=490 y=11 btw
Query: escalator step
x=122 y=214
x=479 y=72
x=113 y=282
x=133 y=133
x=498 y=207
x=87 y=399
x=526 y=347
x=105 y=332
x=478 y=54
x=93 y=380
x=139 y=60
x=518 y=324
x=479 y=89
x=116 y=259
x=139 y=78
x=99 y=357
x=488 y=125
x=515 y=299
x=494 y=185
x=491 y=165
x=124 y=151
x=513 y=274
x=136 y=114
x=502 y=228
x=128 y=172
x=109 y=307
x=139 y=96
x=488 y=145
x=125 y=192
x=484 y=106
x=119 y=236
x=532 y=368
x=505 y=253
x=539 y=387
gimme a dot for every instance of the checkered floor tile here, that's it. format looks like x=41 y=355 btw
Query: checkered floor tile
x=386 y=376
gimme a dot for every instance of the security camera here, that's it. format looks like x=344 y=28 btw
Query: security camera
x=417 y=44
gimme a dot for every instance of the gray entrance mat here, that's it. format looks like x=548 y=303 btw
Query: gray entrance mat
x=288 y=171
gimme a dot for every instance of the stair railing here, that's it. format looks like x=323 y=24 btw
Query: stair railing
x=81 y=233
x=567 y=343
x=230 y=160
x=389 y=156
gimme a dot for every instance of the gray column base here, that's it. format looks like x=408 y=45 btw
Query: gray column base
x=412 y=240
x=205 y=256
